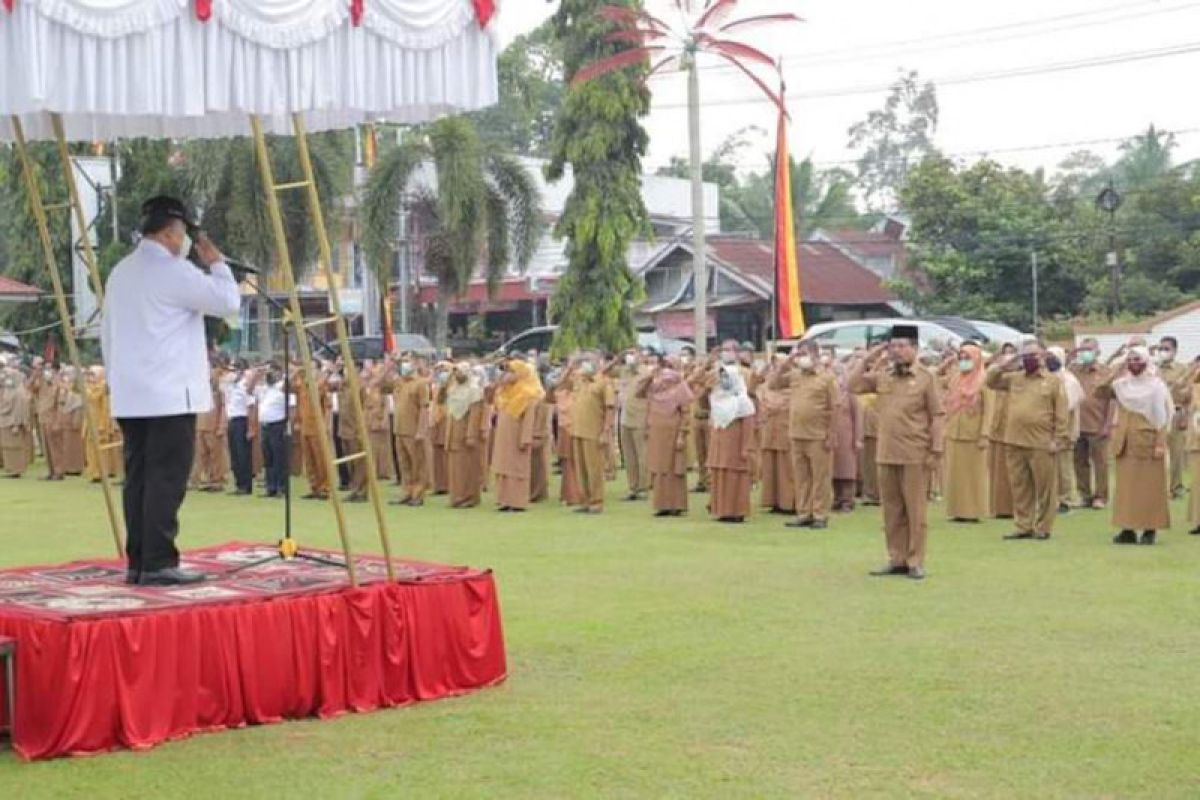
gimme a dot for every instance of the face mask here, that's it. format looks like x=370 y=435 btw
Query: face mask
x=826 y=361
x=726 y=382
x=1166 y=356
x=587 y=368
x=760 y=365
x=1030 y=363
x=805 y=363
x=442 y=378
x=630 y=360
x=965 y=365
x=1136 y=368
x=406 y=369
x=727 y=357
x=1087 y=357
x=1053 y=364
x=186 y=247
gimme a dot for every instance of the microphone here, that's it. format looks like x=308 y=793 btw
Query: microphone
x=240 y=266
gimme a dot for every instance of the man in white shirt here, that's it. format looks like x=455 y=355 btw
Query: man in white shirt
x=239 y=397
x=272 y=416
x=152 y=336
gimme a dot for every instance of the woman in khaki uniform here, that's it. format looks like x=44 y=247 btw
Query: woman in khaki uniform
x=16 y=421
x=437 y=436
x=463 y=399
x=868 y=469
x=1144 y=413
x=968 y=414
x=778 y=484
x=730 y=447
x=69 y=422
x=543 y=441
x=668 y=423
x=1001 y=486
x=375 y=408
x=847 y=443
x=517 y=397
x=569 y=491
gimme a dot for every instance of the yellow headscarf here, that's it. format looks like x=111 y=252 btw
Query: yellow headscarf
x=515 y=397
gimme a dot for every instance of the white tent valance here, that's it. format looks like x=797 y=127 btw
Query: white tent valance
x=121 y=68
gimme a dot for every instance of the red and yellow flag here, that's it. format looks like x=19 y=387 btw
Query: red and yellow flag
x=789 y=321
x=389 y=338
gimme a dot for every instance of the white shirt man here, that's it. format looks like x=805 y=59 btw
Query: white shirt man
x=152 y=335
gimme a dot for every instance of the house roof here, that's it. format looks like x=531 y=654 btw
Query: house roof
x=14 y=290
x=827 y=276
x=510 y=290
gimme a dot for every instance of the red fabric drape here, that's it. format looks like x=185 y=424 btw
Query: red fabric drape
x=203 y=10
x=484 y=10
x=356 y=12
x=8 y=5
x=89 y=685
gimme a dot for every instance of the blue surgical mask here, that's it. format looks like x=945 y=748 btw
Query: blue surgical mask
x=965 y=365
x=406 y=369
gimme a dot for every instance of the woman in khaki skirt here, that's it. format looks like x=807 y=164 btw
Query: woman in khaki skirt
x=968 y=414
x=667 y=428
x=730 y=447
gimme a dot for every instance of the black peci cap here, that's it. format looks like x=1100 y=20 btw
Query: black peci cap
x=911 y=332
x=162 y=205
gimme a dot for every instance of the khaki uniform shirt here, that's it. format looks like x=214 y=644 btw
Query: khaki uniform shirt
x=1093 y=411
x=1037 y=409
x=591 y=400
x=908 y=411
x=633 y=407
x=412 y=398
x=814 y=396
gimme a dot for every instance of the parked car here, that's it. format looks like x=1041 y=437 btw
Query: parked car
x=979 y=330
x=849 y=334
x=371 y=347
x=540 y=339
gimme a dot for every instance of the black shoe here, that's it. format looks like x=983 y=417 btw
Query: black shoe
x=131 y=576
x=1195 y=531
x=1148 y=537
x=1018 y=535
x=241 y=492
x=889 y=569
x=806 y=522
x=663 y=513
x=731 y=520
x=1125 y=537
x=916 y=573
x=819 y=524
x=1041 y=537
x=632 y=496
x=1064 y=508
x=965 y=520
x=171 y=576
x=404 y=501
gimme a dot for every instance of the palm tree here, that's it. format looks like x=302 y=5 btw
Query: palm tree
x=820 y=199
x=486 y=208
x=223 y=180
x=680 y=47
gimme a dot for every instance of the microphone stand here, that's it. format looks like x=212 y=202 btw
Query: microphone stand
x=288 y=550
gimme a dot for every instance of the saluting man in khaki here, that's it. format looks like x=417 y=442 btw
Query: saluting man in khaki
x=1038 y=426
x=593 y=408
x=814 y=395
x=911 y=430
x=1174 y=375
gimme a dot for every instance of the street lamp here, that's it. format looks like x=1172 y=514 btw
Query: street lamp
x=1108 y=201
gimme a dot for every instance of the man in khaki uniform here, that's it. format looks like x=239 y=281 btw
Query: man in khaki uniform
x=701 y=383
x=814 y=396
x=308 y=426
x=208 y=462
x=1174 y=374
x=1038 y=427
x=1095 y=427
x=16 y=421
x=632 y=416
x=593 y=408
x=41 y=390
x=911 y=427
x=412 y=394
x=348 y=432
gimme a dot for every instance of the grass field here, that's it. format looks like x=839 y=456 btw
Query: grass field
x=683 y=658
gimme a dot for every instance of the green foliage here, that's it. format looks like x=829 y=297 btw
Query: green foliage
x=530 y=73
x=893 y=139
x=486 y=207
x=598 y=133
x=22 y=250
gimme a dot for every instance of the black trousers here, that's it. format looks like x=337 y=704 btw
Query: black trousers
x=158 y=460
x=275 y=458
x=239 y=454
x=343 y=469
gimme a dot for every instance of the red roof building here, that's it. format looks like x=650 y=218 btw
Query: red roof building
x=13 y=291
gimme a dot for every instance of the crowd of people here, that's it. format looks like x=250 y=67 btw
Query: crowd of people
x=1024 y=432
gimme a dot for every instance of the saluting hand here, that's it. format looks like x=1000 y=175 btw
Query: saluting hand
x=206 y=251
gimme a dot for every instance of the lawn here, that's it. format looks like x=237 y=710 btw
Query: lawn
x=684 y=658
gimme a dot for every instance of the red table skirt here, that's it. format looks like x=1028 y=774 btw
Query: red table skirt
x=90 y=685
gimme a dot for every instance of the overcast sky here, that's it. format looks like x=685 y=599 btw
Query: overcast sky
x=862 y=44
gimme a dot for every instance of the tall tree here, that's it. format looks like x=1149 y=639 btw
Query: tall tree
x=895 y=138
x=1145 y=158
x=599 y=135
x=486 y=209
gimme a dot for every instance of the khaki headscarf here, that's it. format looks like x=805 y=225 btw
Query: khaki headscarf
x=515 y=397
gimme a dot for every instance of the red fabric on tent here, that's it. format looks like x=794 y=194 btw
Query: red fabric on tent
x=99 y=681
x=356 y=12
x=484 y=11
x=203 y=10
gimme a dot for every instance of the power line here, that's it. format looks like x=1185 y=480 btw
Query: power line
x=979 y=77
x=864 y=53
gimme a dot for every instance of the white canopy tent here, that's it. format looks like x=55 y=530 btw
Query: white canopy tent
x=198 y=68
x=96 y=70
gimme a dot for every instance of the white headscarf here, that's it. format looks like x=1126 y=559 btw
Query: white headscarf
x=461 y=396
x=729 y=405
x=1146 y=394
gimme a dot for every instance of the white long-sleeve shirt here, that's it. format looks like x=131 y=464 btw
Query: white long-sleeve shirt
x=238 y=398
x=270 y=401
x=152 y=332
